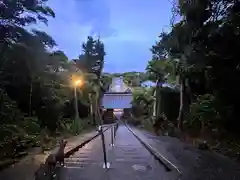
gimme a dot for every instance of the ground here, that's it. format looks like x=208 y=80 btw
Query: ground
x=194 y=164
x=129 y=159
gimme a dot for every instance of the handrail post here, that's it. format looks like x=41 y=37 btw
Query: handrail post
x=112 y=135
x=106 y=165
x=115 y=129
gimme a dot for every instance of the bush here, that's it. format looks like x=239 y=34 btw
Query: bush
x=168 y=102
x=50 y=113
x=16 y=138
x=204 y=112
x=69 y=109
x=19 y=133
x=74 y=127
x=137 y=110
x=9 y=112
x=31 y=125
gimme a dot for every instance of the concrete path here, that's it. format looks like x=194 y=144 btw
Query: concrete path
x=133 y=161
x=87 y=163
x=193 y=163
x=128 y=159
x=25 y=169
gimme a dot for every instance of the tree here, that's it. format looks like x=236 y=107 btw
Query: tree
x=14 y=19
x=211 y=25
x=133 y=79
x=58 y=61
x=91 y=63
x=202 y=45
x=144 y=98
x=32 y=97
x=92 y=59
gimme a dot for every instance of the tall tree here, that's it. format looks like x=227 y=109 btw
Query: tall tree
x=202 y=43
x=91 y=61
x=92 y=58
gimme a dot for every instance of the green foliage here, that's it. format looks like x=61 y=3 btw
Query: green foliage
x=35 y=79
x=143 y=100
x=92 y=58
x=18 y=136
x=91 y=63
x=167 y=102
x=134 y=79
x=155 y=70
x=9 y=112
x=106 y=80
x=201 y=49
x=204 y=111
x=14 y=19
x=31 y=125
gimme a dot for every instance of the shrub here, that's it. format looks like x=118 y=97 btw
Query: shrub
x=204 y=112
x=168 y=102
x=9 y=112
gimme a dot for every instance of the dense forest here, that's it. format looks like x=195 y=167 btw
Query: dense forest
x=37 y=81
x=199 y=55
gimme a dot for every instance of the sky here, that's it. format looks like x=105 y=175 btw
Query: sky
x=128 y=28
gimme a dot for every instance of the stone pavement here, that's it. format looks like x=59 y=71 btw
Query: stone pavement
x=25 y=169
x=87 y=162
x=193 y=163
x=128 y=159
x=131 y=160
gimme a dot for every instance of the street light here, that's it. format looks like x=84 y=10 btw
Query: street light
x=77 y=83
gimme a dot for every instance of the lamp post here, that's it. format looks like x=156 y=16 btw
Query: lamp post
x=76 y=84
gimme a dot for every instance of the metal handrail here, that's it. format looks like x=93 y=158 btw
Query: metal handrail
x=113 y=136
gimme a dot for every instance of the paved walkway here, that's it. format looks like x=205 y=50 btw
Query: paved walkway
x=25 y=169
x=133 y=161
x=87 y=163
x=193 y=163
x=128 y=159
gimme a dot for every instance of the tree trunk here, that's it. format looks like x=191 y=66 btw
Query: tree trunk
x=182 y=102
x=94 y=109
x=30 y=101
x=155 y=103
x=91 y=109
x=158 y=99
x=98 y=114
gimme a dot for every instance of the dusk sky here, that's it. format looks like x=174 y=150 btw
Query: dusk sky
x=128 y=28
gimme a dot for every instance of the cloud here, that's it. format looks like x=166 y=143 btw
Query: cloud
x=127 y=56
x=128 y=28
x=75 y=20
x=96 y=14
